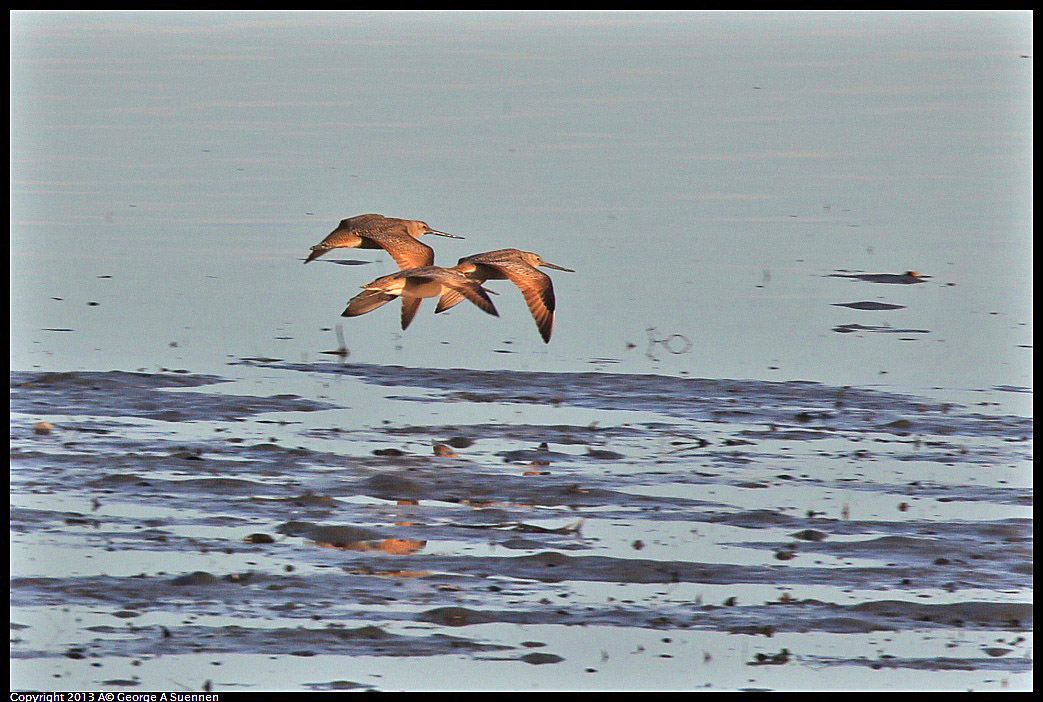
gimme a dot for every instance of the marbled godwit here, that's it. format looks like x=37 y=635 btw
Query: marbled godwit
x=520 y=268
x=373 y=231
x=413 y=285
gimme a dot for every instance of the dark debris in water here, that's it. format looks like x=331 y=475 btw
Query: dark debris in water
x=869 y=305
x=877 y=329
x=906 y=278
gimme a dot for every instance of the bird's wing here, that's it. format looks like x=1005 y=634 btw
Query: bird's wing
x=410 y=305
x=407 y=251
x=449 y=300
x=536 y=288
x=461 y=285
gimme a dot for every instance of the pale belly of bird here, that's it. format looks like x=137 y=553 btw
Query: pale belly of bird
x=426 y=289
x=412 y=287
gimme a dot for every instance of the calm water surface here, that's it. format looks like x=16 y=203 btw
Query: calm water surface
x=741 y=462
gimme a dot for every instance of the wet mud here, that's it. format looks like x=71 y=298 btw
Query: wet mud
x=168 y=514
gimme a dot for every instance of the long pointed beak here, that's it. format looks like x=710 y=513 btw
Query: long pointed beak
x=558 y=268
x=451 y=236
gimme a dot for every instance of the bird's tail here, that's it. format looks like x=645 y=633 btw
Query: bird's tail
x=366 y=301
x=316 y=251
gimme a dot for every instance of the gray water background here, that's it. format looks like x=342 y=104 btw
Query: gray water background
x=702 y=172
